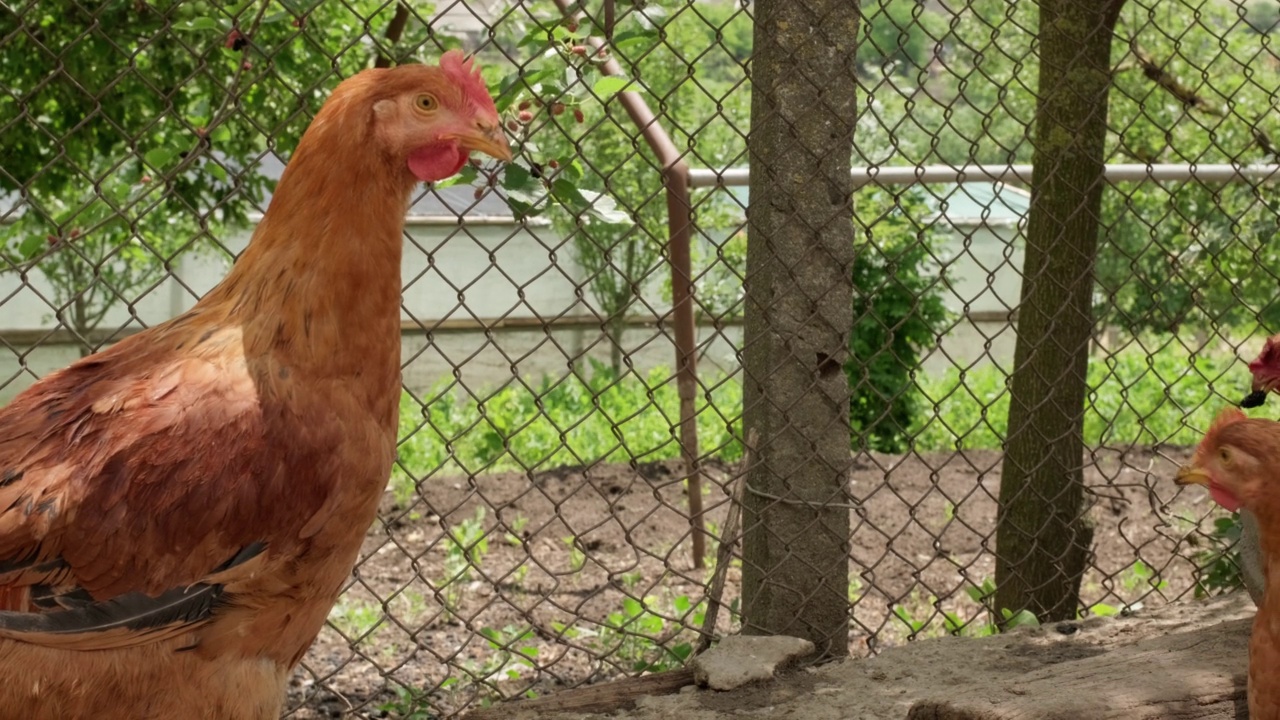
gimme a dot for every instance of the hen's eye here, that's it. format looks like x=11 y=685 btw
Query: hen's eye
x=1225 y=455
x=427 y=102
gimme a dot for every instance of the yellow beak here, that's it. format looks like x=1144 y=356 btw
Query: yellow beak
x=1191 y=475
x=489 y=140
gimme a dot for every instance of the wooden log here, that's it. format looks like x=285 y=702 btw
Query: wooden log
x=602 y=698
x=1198 y=675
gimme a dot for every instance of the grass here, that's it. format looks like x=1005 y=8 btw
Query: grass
x=565 y=421
x=1146 y=394
x=1138 y=396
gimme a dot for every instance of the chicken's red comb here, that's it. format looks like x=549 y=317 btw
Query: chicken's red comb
x=1269 y=357
x=462 y=71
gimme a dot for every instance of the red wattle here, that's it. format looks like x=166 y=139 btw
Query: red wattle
x=437 y=161
x=1224 y=497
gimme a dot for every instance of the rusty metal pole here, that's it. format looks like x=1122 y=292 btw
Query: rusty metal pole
x=675 y=178
x=680 y=228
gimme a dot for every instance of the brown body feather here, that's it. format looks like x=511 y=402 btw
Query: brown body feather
x=179 y=512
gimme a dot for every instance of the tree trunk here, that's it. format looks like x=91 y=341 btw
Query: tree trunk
x=798 y=317
x=1043 y=536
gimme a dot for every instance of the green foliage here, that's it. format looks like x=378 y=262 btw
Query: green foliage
x=128 y=148
x=1137 y=580
x=615 y=211
x=1160 y=395
x=1173 y=254
x=719 y=269
x=356 y=619
x=514 y=653
x=1136 y=396
x=637 y=634
x=898 y=34
x=98 y=138
x=565 y=421
x=466 y=545
x=1220 y=563
x=409 y=704
x=897 y=313
x=984 y=595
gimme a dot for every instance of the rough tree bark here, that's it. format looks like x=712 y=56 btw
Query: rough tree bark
x=798 y=319
x=1043 y=536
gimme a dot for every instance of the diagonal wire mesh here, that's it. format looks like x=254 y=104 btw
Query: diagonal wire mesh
x=538 y=531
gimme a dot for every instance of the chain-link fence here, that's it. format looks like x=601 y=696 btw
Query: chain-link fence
x=577 y=497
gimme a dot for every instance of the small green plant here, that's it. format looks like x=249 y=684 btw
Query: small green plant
x=466 y=544
x=414 y=606
x=909 y=619
x=409 y=704
x=577 y=558
x=1140 y=578
x=1220 y=563
x=516 y=649
x=635 y=634
x=356 y=619
x=517 y=526
x=898 y=312
x=855 y=588
x=983 y=594
x=1137 y=579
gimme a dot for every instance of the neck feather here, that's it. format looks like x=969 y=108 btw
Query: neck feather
x=319 y=285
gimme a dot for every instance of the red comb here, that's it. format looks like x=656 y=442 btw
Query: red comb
x=1270 y=356
x=463 y=72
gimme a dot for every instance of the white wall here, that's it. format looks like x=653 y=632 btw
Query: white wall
x=482 y=274
x=457 y=277
x=984 y=278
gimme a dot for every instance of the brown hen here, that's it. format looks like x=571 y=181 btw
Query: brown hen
x=1237 y=462
x=179 y=512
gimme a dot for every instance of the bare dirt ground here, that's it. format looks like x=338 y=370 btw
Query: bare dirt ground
x=565 y=550
x=1196 y=658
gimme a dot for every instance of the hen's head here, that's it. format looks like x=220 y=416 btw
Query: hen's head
x=1266 y=373
x=1238 y=461
x=425 y=119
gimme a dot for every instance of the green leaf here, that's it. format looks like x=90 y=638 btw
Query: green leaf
x=1020 y=618
x=1101 y=610
x=200 y=23
x=609 y=85
x=158 y=157
x=604 y=208
x=639 y=38
x=632 y=607
x=29 y=246
x=466 y=176
x=517 y=178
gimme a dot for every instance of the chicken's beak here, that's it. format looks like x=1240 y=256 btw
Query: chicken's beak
x=1258 y=396
x=488 y=139
x=1191 y=475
